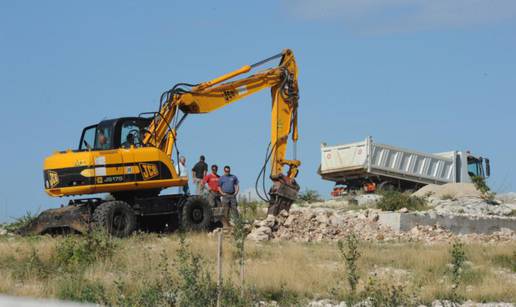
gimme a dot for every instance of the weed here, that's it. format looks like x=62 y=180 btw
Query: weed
x=506 y=261
x=458 y=258
x=20 y=222
x=350 y=254
x=195 y=286
x=309 y=196
x=75 y=253
x=394 y=200
x=76 y=288
x=383 y=294
x=239 y=235
x=31 y=266
x=447 y=197
x=483 y=188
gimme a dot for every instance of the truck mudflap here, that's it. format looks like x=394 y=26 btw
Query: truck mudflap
x=282 y=194
x=74 y=217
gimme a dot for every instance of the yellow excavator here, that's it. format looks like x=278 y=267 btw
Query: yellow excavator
x=131 y=159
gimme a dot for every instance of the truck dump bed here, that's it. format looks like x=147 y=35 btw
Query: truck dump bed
x=367 y=158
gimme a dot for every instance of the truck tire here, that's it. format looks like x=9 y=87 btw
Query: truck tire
x=115 y=217
x=387 y=186
x=196 y=214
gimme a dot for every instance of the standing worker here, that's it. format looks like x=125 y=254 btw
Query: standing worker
x=212 y=179
x=182 y=172
x=199 y=170
x=228 y=188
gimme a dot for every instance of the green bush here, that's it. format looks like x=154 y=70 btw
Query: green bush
x=506 y=261
x=309 y=196
x=350 y=254
x=75 y=253
x=483 y=188
x=77 y=288
x=21 y=222
x=393 y=201
x=30 y=266
x=383 y=294
x=458 y=259
x=195 y=286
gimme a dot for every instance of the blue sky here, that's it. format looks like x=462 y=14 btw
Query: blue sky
x=430 y=75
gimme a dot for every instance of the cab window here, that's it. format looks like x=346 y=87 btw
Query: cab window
x=475 y=167
x=88 y=138
x=130 y=134
x=104 y=138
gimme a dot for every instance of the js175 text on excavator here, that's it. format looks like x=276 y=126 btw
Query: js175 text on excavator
x=131 y=159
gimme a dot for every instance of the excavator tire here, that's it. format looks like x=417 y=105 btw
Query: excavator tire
x=116 y=217
x=196 y=214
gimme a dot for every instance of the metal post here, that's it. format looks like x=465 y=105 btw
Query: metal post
x=219 y=269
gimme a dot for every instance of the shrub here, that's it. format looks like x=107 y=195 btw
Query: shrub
x=75 y=253
x=30 y=266
x=309 y=196
x=483 y=188
x=77 y=288
x=393 y=201
x=458 y=258
x=350 y=254
x=21 y=222
x=195 y=286
x=383 y=294
x=506 y=261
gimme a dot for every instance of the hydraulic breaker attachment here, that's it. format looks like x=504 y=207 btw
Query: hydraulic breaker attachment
x=283 y=193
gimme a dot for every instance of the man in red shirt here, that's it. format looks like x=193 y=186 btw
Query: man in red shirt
x=212 y=179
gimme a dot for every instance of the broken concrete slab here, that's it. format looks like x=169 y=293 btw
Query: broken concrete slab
x=458 y=224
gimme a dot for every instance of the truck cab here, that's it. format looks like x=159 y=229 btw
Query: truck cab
x=478 y=166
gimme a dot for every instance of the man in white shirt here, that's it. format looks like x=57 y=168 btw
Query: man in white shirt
x=182 y=172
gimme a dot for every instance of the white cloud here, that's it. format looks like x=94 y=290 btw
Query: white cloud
x=405 y=15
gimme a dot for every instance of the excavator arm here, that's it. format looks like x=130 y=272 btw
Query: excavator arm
x=217 y=93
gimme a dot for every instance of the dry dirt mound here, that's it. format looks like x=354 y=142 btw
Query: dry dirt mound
x=449 y=190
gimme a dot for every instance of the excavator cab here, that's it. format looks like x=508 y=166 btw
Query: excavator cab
x=114 y=133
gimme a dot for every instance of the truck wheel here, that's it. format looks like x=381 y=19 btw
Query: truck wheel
x=196 y=214
x=387 y=186
x=116 y=217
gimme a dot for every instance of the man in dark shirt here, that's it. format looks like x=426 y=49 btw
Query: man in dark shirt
x=199 y=170
x=228 y=188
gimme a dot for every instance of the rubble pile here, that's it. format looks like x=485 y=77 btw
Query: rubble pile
x=324 y=224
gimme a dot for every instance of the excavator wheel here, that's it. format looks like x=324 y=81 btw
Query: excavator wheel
x=116 y=217
x=196 y=214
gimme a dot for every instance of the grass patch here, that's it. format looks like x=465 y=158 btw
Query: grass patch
x=506 y=261
x=150 y=270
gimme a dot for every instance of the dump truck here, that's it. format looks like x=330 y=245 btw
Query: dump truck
x=370 y=166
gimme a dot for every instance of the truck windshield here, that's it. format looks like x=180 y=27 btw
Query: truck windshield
x=475 y=167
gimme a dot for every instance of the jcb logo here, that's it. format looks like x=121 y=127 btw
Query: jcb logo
x=229 y=94
x=149 y=170
x=53 y=178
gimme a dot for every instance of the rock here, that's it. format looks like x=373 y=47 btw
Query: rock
x=366 y=199
x=337 y=220
x=322 y=218
x=403 y=210
x=268 y=222
x=3 y=231
x=289 y=221
x=262 y=233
